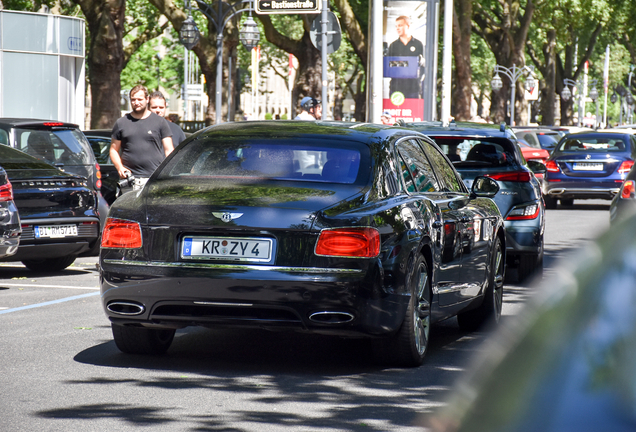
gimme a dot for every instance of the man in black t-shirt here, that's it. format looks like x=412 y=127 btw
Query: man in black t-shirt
x=143 y=138
x=406 y=46
x=158 y=106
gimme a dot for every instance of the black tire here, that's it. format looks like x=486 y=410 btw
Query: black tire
x=50 y=264
x=530 y=265
x=140 y=340
x=550 y=203
x=569 y=202
x=490 y=309
x=409 y=345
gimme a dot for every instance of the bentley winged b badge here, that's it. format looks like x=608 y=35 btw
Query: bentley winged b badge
x=226 y=216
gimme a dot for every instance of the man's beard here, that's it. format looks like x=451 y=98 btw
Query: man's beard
x=139 y=109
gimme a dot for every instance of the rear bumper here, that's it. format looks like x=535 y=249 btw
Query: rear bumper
x=524 y=237
x=343 y=302
x=564 y=191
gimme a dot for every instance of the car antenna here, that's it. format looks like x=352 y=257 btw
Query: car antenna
x=502 y=127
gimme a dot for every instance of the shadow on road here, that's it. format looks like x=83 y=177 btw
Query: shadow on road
x=278 y=368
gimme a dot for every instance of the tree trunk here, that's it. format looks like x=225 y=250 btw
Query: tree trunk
x=105 y=59
x=462 y=91
x=549 y=75
x=308 y=81
x=506 y=39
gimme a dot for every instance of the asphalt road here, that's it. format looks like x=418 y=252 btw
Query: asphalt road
x=61 y=371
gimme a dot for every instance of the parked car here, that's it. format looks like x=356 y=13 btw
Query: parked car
x=336 y=228
x=477 y=149
x=539 y=138
x=588 y=166
x=60 y=144
x=532 y=153
x=99 y=140
x=9 y=218
x=58 y=212
x=566 y=362
x=624 y=202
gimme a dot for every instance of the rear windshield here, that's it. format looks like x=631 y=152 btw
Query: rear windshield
x=597 y=144
x=65 y=146
x=273 y=159
x=12 y=159
x=548 y=140
x=478 y=153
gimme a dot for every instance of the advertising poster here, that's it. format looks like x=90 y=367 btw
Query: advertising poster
x=404 y=59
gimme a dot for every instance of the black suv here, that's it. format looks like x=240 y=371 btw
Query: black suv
x=58 y=212
x=477 y=149
x=60 y=144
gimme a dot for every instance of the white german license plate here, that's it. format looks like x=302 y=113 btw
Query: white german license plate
x=232 y=248
x=588 y=166
x=55 y=231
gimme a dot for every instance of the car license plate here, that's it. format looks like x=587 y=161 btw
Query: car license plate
x=588 y=166
x=232 y=248
x=55 y=231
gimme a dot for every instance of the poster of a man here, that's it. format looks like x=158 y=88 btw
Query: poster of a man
x=405 y=66
x=407 y=46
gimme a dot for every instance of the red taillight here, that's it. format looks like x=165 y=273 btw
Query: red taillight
x=6 y=192
x=514 y=176
x=524 y=212
x=98 y=176
x=53 y=124
x=625 y=167
x=552 y=166
x=122 y=234
x=628 y=190
x=349 y=242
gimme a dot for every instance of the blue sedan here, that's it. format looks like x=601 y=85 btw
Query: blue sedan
x=588 y=166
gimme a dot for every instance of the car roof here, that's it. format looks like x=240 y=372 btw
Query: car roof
x=29 y=122
x=468 y=129
x=295 y=129
x=605 y=134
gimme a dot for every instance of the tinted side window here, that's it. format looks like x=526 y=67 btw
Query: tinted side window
x=422 y=173
x=445 y=171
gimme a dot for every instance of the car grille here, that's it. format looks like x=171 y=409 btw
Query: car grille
x=212 y=313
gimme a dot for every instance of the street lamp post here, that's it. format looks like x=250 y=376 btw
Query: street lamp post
x=594 y=97
x=513 y=74
x=249 y=35
x=566 y=94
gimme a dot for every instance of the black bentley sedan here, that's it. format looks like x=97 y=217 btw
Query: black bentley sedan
x=334 y=228
x=58 y=212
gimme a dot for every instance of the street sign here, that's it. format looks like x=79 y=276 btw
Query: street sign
x=334 y=34
x=287 y=7
x=533 y=94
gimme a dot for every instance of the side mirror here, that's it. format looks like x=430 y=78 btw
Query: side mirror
x=484 y=187
x=537 y=167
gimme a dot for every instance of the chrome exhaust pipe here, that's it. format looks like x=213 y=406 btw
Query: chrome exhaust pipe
x=329 y=317
x=556 y=191
x=125 y=308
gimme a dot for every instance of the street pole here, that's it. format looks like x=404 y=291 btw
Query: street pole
x=513 y=74
x=324 y=26
x=447 y=61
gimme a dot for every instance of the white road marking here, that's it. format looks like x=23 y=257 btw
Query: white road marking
x=46 y=286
